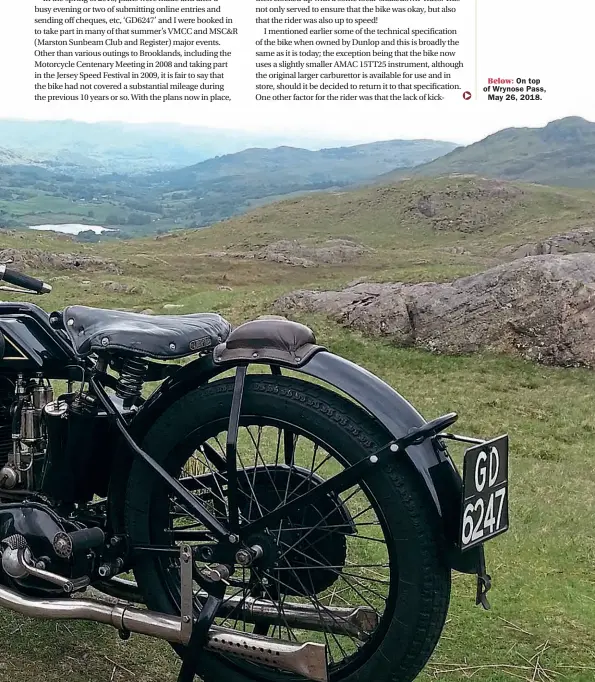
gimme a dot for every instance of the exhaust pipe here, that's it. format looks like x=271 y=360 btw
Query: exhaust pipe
x=308 y=660
x=359 y=621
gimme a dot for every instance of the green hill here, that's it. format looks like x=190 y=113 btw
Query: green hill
x=561 y=153
x=420 y=229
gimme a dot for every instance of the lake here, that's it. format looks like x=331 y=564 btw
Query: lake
x=70 y=228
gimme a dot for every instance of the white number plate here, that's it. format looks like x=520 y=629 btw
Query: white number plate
x=485 y=492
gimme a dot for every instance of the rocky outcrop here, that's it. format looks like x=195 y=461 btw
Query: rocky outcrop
x=539 y=307
x=331 y=252
x=293 y=252
x=468 y=206
x=570 y=242
x=37 y=259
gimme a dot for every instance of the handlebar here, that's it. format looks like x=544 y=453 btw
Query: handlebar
x=20 y=280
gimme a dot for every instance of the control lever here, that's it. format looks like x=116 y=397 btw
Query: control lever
x=69 y=586
x=24 y=281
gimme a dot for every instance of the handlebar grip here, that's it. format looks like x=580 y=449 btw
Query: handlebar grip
x=21 y=280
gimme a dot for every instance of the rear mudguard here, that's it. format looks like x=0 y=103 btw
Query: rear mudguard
x=430 y=459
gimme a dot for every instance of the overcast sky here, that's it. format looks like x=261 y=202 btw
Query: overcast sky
x=543 y=39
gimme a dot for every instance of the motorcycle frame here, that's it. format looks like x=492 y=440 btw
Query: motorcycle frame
x=429 y=458
x=46 y=349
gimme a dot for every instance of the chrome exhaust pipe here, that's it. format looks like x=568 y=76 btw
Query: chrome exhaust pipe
x=359 y=621
x=308 y=660
x=120 y=616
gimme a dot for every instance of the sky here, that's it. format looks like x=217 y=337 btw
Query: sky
x=540 y=39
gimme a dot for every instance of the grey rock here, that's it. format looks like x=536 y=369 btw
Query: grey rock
x=571 y=242
x=120 y=287
x=539 y=307
x=426 y=205
x=300 y=254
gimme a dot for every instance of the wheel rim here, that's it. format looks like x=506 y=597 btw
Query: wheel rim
x=367 y=577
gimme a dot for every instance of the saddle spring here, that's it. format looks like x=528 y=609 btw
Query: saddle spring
x=131 y=380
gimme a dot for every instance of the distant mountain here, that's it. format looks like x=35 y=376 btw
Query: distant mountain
x=8 y=157
x=561 y=153
x=196 y=195
x=118 y=147
x=302 y=167
x=228 y=185
x=106 y=147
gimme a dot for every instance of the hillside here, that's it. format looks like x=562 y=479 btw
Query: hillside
x=561 y=153
x=421 y=229
x=303 y=166
x=197 y=195
x=8 y=157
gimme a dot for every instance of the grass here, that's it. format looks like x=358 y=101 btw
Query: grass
x=542 y=624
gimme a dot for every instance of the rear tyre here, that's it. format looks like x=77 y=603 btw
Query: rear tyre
x=394 y=563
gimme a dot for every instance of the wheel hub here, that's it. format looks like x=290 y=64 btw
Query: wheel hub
x=304 y=553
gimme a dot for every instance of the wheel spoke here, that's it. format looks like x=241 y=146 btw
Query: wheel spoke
x=317 y=606
x=313 y=528
x=328 y=555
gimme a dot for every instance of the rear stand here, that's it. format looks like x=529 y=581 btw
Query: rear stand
x=216 y=590
x=197 y=632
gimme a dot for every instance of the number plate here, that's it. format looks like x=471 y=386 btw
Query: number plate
x=485 y=492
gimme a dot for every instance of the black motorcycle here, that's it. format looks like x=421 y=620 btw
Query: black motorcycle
x=285 y=513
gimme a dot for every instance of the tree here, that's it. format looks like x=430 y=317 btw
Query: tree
x=87 y=236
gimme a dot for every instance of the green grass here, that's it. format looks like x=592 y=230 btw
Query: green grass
x=543 y=569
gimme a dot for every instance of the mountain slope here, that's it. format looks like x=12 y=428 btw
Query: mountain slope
x=423 y=229
x=561 y=153
x=197 y=195
x=229 y=185
x=303 y=166
x=8 y=157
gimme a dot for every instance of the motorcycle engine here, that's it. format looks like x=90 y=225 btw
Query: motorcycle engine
x=23 y=438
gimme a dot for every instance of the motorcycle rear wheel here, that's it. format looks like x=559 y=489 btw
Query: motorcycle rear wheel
x=408 y=586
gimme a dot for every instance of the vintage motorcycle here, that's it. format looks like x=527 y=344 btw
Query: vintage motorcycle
x=284 y=512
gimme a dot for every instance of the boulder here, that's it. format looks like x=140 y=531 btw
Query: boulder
x=570 y=242
x=539 y=307
x=120 y=287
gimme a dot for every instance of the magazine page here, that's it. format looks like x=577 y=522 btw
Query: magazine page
x=296 y=340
